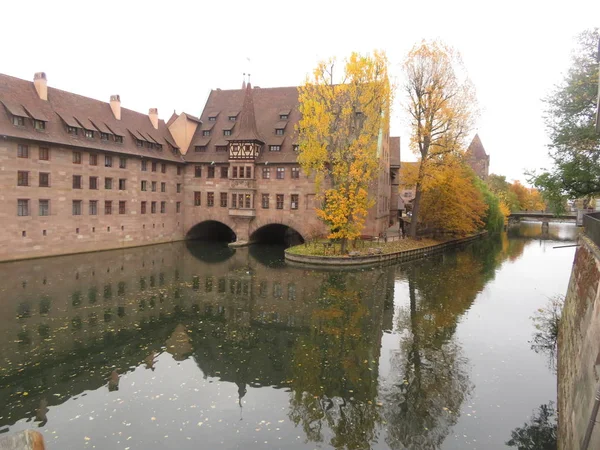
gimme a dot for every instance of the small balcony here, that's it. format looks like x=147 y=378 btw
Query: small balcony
x=241 y=183
x=242 y=212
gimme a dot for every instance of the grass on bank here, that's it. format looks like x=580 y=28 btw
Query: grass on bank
x=325 y=247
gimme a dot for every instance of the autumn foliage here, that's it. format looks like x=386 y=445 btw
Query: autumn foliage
x=515 y=196
x=340 y=137
x=451 y=201
x=441 y=104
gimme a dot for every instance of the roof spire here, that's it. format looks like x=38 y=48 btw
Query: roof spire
x=244 y=82
x=246 y=128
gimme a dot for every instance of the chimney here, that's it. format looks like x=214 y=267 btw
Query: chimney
x=153 y=116
x=115 y=105
x=41 y=85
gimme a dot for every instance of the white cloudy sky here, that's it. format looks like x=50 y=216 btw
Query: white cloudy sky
x=169 y=54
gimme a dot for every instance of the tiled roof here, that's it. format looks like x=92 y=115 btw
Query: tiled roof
x=246 y=129
x=394 y=151
x=476 y=148
x=172 y=119
x=62 y=108
x=269 y=104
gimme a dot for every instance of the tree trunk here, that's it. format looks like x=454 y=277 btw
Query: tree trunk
x=414 y=322
x=344 y=245
x=412 y=231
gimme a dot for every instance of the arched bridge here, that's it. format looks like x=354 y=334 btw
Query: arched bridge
x=281 y=232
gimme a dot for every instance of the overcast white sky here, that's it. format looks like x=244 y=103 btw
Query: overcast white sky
x=170 y=54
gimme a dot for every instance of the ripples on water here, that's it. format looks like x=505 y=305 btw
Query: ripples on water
x=176 y=344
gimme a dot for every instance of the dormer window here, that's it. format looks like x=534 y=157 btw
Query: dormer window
x=89 y=134
x=226 y=132
x=232 y=118
x=206 y=133
x=221 y=148
x=275 y=148
x=200 y=148
x=159 y=147
x=212 y=118
x=39 y=125
x=359 y=114
x=139 y=142
x=295 y=147
x=103 y=136
x=119 y=139
x=72 y=130
x=19 y=121
x=283 y=117
x=279 y=131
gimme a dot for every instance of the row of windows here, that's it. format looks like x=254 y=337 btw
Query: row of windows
x=24 y=310
x=24 y=207
x=44 y=155
x=245 y=200
x=90 y=134
x=19 y=121
x=246 y=172
x=154 y=184
x=40 y=125
x=23 y=179
x=232 y=118
x=45 y=233
x=223 y=148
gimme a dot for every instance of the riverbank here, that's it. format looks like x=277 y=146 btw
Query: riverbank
x=374 y=253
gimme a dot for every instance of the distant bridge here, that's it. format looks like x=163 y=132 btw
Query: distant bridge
x=539 y=216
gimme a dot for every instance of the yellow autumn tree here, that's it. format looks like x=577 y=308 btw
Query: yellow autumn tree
x=529 y=199
x=451 y=201
x=441 y=105
x=344 y=120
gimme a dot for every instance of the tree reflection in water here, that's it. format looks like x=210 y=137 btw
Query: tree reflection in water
x=423 y=400
x=335 y=367
x=539 y=433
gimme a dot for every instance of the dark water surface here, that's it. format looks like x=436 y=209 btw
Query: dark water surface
x=195 y=345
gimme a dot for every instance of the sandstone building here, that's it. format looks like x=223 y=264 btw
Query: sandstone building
x=79 y=174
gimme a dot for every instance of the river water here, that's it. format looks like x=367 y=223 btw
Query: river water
x=194 y=345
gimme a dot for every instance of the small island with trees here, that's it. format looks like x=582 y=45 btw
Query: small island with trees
x=343 y=116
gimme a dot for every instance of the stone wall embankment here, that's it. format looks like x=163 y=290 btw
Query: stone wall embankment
x=579 y=350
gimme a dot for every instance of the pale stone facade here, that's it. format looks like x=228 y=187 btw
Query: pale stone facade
x=60 y=230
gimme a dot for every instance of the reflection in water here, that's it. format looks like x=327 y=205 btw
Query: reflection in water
x=539 y=433
x=301 y=345
x=431 y=376
x=545 y=338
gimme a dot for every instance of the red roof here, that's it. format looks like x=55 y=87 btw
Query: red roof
x=268 y=105
x=65 y=108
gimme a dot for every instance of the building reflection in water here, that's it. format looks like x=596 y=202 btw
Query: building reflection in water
x=78 y=323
